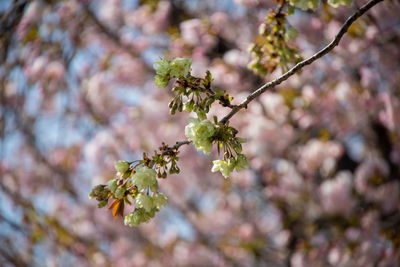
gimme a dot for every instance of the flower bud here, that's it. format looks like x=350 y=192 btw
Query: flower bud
x=121 y=166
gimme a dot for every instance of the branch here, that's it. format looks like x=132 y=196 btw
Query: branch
x=179 y=144
x=293 y=70
x=303 y=63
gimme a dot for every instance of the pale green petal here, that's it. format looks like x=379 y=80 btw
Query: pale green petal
x=159 y=200
x=144 y=177
x=180 y=67
x=162 y=67
x=222 y=166
x=144 y=201
x=161 y=81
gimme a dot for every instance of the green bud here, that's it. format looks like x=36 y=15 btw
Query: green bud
x=121 y=166
x=201 y=114
x=188 y=106
x=97 y=191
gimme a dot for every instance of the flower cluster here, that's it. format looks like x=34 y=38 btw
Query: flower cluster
x=227 y=166
x=144 y=178
x=166 y=70
x=200 y=132
x=192 y=93
x=195 y=94
x=138 y=183
x=271 y=48
x=313 y=4
x=203 y=133
x=146 y=208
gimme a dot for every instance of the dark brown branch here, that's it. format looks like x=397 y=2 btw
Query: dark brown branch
x=10 y=19
x=303 y=63
x=181 y=143
x=8 y=22
x=175 y=147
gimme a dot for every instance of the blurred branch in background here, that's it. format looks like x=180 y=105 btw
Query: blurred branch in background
x=8 y=21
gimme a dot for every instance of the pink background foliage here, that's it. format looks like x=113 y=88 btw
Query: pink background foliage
x=77 y=93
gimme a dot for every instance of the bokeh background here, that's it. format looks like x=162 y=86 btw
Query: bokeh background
x=77 y=93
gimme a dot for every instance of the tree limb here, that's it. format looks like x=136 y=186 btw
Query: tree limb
x=303 y=63
x=270 y=85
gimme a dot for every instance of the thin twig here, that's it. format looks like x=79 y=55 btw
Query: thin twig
x=181 y=143
x=176 y=147
x=303 y=63
x=280 y=8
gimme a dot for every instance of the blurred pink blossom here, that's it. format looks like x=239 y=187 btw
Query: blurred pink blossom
x=315 y=152
x=336 y=194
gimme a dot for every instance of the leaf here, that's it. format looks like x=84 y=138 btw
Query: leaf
x=117 y=208
x=102 y=203
x=112 y=185
x=161 y=81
